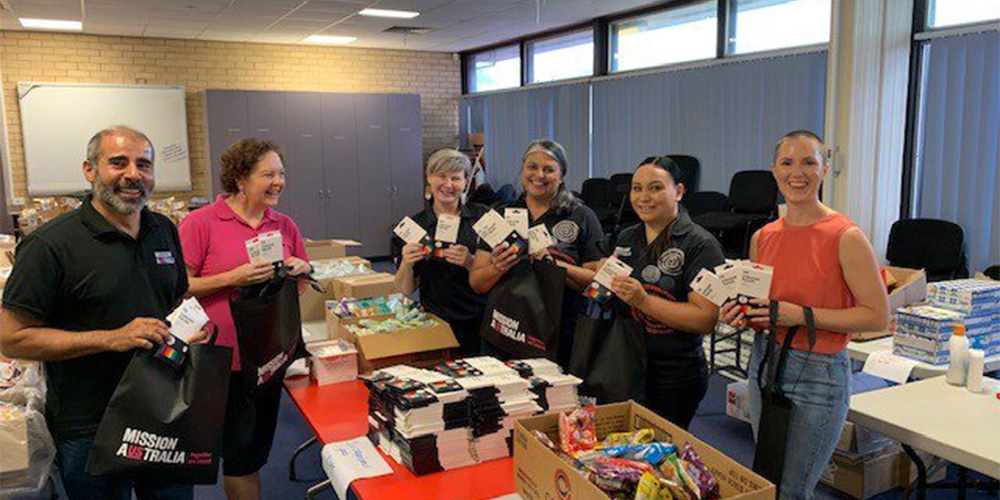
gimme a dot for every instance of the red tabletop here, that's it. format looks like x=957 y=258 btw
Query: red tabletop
x=338 y=412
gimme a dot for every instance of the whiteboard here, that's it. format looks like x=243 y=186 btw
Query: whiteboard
x=58 y=119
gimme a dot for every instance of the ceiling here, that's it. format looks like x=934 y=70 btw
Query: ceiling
x=455 y=25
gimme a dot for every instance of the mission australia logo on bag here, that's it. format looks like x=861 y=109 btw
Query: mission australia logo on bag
x=153 y=448
x=264 y=373
x=510 y=328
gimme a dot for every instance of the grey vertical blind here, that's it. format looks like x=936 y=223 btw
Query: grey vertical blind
x=728 y=116
x=958 y=141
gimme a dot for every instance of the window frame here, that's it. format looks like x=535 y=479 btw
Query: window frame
x=468 y=68
x=528 y=59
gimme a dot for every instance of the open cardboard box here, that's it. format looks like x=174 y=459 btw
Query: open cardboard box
x=418 y=347
x=328 y=249
x=311 y=302
x=878 y=473
x=539 y=474
x=364 y=286
x=907 y=286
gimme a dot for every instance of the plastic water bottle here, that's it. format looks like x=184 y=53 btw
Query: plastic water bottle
x=958 y=356
x=975 y=377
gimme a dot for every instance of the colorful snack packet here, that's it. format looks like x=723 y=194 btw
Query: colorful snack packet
x=642 y=466
x=685 y=477
x=653 y=453
x=640 y=436
x=708 y=486
x=648 y=488
x=576 y=430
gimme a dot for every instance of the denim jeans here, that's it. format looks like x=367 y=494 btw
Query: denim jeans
x=71 y=457
x=820 y=386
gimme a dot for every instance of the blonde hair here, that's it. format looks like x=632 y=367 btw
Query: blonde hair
x=447 y=160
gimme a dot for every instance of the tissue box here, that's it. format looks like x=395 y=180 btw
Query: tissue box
x=332 y=361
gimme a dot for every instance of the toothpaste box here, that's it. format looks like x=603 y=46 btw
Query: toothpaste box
x=938 y=323
x=971 y=297
x=939 y=348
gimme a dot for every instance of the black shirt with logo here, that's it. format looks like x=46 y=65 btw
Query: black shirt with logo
x=444 y=287
x=80 y=273
x=668 y=276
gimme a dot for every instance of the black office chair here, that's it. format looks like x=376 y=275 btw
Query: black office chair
x=597 y=194
x=753 y=201
x=483 y=194
x=690 y=172
x=505 y=195
x=993 y=273
x=704 y=202
x=937 y=246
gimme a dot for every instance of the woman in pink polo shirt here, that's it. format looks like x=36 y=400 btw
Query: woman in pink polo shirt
x=213 y=240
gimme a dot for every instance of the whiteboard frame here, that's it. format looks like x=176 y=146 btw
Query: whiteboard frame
x=25 y=87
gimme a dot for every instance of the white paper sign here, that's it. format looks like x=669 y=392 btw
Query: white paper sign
x=409 y=231
x=188 y=319
x=270 y=247
x=887 y=365
x=492 y=228
x=518 y=219
x=612 y=267
x=346 y=461
x=447 y=228
x=539 y=239
x=708 y=285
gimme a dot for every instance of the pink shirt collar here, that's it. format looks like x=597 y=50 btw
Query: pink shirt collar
x=223 y=211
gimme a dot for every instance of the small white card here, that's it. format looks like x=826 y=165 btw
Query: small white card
x=253 y=250
x=612 y=267
x=409 y=231
x=755 y=280
x=887 y=365
x=708 y=285
x=346 y=461
x=188 y=319
x=518 y=219
x=271 y=247
x=729 y=274
x=539 y=239
x=447 y=228
x=492 y=228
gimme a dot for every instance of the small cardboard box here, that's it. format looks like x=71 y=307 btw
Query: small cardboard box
x=863 y=479
x=365 y=286
x=311 y=302
x=14 y=443
x=737 y=405
x=908 y=286
x=856 y=440
x=418 y=347
x=328 y=249
x=539 y=474
x=332 y=361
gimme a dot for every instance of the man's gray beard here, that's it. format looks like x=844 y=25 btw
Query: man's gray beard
x=107 y=195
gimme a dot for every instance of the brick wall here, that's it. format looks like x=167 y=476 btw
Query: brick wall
x=200 y=65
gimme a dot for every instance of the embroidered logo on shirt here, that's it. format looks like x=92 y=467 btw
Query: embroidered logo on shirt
x=623 y=251
x=164 y=258
x=566 y=231
x=651 y=274
x=671 y=262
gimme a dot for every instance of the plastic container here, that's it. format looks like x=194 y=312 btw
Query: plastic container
x=974 y=381
x=958 y=356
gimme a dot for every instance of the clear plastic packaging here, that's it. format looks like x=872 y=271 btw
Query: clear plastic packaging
x=28 y=448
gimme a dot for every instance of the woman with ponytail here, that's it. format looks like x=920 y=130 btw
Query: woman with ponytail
x=666 y=251
x=574 y=227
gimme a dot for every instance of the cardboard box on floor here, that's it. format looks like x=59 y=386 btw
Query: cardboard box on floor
x=908 y=286
x=311 y=302
x=857 y=440
x=539 y=474
x=865 y=478
x=419 y=347
x=328 y=249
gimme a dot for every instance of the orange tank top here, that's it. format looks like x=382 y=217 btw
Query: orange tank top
x=807 y=272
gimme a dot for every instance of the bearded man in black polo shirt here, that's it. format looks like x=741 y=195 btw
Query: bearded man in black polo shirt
x=89 y=288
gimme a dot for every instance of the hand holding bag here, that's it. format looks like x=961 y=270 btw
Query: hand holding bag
x=524 y=310
x=609 y=354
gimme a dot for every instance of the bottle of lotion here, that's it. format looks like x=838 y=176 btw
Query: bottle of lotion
x=958 y=356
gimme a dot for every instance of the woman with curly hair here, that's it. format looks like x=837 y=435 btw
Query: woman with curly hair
x=214 y=244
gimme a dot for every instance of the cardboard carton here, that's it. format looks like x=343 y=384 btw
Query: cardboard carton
x=332 y=361
x=311 y=302
x=328 y=249
x=737 y=405
x=419 y=347
x=855 y=440
x=539 y=474
x=907 y=286
x=364 y=286
x=870 y=476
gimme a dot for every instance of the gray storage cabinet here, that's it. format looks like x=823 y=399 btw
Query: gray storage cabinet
x=353 y=163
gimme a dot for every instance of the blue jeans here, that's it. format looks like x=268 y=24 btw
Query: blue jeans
x=820 y=386
x=71 y=457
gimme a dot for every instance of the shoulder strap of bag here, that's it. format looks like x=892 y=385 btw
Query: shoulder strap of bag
x=786 y=345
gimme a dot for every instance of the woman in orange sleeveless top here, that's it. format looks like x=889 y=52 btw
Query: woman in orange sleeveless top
x=822 y=261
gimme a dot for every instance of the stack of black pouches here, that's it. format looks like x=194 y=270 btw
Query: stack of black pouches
x=459 y=414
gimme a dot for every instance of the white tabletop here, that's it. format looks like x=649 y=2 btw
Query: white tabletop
x=861 y=350
x=941 y=419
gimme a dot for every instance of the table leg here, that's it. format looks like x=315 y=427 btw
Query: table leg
x=963 y=481
x=315 y=490
x=921 y=472
x=291 y=463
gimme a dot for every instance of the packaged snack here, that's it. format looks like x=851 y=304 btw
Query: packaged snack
x=576 y=430
x=707 y=485
x=640 y=436
x=684 y=477
x=621 y=462
x=673 y=490
x=544 y=439
x=653 y=453
x=648 y=488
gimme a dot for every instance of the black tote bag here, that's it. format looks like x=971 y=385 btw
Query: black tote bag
x=165 y=423
x=609 y=355
x=776 y=407
x=268 y=329
x=523 y=311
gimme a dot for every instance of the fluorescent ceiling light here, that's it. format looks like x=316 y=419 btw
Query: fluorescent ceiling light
x=399 y=14
x=51 y=24
x=328 y=39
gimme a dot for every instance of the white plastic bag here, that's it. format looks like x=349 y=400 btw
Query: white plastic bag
x=27 y=446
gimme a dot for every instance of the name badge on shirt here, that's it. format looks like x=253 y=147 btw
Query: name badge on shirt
x=164 y=258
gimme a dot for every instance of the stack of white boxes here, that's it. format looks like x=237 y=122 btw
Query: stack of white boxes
x=923 y=331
